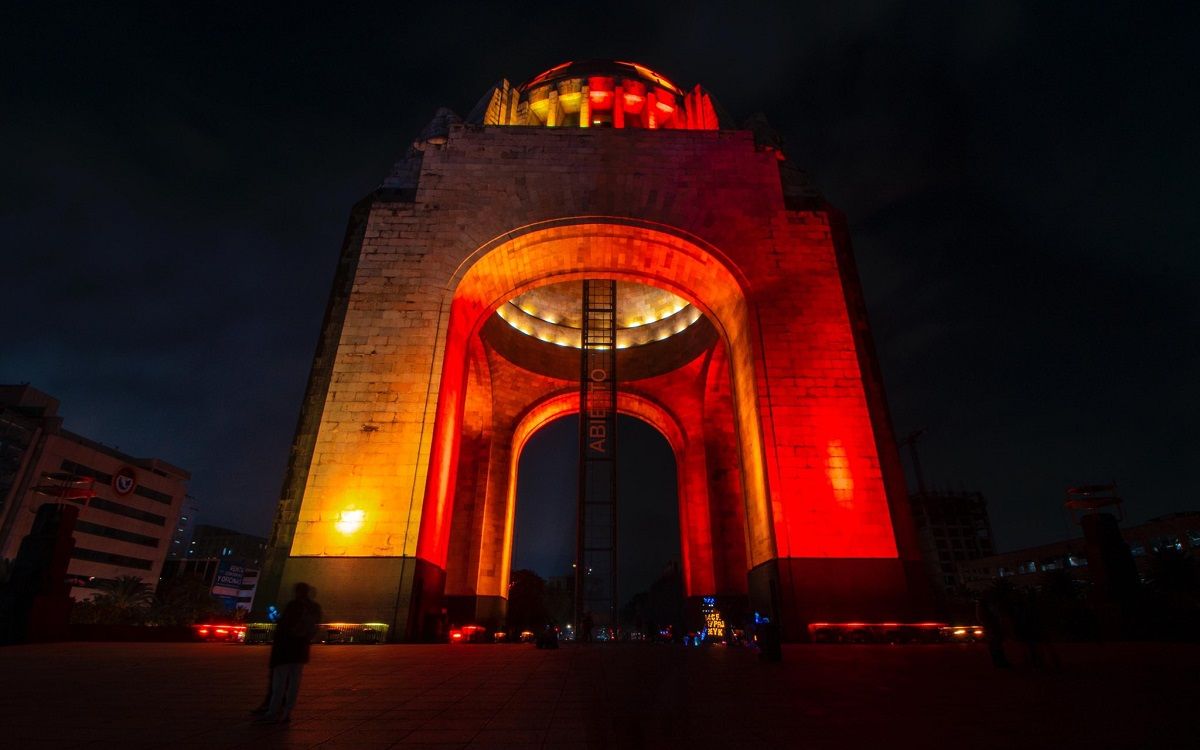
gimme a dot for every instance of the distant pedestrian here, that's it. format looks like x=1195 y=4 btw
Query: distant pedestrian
x=1030 y=631
x=994 y=614
x=289 y=652
x=770 y=641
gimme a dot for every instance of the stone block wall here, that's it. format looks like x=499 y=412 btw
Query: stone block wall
x=793 y=426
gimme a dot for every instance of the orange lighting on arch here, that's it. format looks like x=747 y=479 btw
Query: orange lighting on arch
x=821 y=495
x=350 y=521
x=837 y=468
x=597 y=248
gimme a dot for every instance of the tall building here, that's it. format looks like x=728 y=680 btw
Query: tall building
x=953 y=528
x=723 y=308
x=181 y=539
x=228 y=561
x=226 y=544
x=128 y=506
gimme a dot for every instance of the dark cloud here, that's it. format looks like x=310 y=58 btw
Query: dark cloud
x=1020 y=178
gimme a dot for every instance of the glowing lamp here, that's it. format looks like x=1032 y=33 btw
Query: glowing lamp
x=350 y=521
x=634 y=96
x=664 y=104
x=570 y=102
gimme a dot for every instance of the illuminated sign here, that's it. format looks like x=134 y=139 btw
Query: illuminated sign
x=228 y=582
x=714 y=625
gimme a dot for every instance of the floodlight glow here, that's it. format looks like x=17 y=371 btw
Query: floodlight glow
x=350 y=521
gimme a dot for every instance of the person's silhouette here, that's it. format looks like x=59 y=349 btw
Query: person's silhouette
x=290 y=651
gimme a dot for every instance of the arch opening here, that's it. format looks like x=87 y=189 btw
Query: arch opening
x=491 y=402
x=562 y=252
x=543 y=552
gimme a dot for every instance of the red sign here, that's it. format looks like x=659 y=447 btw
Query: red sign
x=124 y=481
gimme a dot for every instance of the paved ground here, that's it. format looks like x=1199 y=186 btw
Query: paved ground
x=653 y=696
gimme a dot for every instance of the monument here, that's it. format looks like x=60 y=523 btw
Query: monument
x=453 y=330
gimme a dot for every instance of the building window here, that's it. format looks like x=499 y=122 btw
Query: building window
x=125 y=561
x=96 y=529
x=155 y=495
x=109 y=506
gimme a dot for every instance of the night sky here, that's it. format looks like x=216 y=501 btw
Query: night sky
x=647 y=510
x=1020 y=178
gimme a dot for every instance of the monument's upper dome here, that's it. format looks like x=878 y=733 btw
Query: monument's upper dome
x=598 y=93
x=614 y=69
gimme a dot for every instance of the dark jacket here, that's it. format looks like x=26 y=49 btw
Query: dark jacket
x=294 y=632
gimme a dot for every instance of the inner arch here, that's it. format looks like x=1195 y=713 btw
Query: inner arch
x=596 y=247
x=544 y=539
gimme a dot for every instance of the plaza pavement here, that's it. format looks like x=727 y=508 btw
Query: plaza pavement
x=180 y=696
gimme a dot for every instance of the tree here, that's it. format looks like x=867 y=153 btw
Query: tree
x=184 y=601
x=123 y=601
x=128 y=593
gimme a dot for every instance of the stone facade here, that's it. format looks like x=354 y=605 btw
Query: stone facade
x=790 y=488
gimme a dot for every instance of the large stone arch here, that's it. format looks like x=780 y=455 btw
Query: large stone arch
x=606 y=248
x=709 y=216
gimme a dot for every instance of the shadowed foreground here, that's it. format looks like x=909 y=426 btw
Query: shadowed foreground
x=654 y=696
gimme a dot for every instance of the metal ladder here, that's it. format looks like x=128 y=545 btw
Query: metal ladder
x=596 y=528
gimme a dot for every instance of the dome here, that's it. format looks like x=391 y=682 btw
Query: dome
x=598 y=94
x=601 y=69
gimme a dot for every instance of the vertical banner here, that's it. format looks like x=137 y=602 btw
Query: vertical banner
x=596 y=541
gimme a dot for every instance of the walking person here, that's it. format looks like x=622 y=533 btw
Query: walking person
x=289 y=652
x=994 y=613
x=1031 y=631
